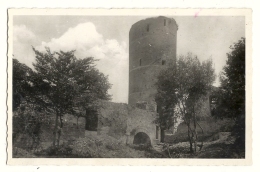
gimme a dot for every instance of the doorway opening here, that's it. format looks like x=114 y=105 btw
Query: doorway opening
x=142 y=138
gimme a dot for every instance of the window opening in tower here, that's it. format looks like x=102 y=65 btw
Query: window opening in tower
x=157 y=132
x=163 y=62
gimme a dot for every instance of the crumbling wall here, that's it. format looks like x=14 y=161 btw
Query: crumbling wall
x=112 y=119
x=124 y=121
x=141 y=119
x=203 y=107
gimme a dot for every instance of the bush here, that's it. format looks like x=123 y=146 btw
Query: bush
x=27 y=127
x=239 y=132
x=113 y=146
x=59 y=150
x=210 y=127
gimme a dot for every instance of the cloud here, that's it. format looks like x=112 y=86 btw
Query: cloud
x=23 y=39
x=112 y=55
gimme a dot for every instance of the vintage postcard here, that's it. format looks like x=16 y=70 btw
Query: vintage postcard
x=129 y=87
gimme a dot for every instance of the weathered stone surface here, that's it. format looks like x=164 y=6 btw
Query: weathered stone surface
x=152 y=44
x=124 y=121
x=112 y=119
x=140 y=120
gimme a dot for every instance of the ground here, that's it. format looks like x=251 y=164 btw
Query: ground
x=217 y=143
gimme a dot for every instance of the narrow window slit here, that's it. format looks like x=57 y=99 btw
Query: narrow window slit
x=157 y=132
x=163 y=62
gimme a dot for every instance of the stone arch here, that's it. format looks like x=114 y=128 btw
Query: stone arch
x=142 y=138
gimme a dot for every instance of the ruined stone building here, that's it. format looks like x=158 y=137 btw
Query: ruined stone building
x=152 y=44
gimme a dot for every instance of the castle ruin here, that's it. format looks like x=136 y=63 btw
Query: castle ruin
x=152 y=44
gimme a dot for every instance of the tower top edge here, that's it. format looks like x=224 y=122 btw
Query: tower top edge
x=152 y=19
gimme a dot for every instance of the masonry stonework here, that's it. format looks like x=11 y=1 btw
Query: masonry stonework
x=152 y=44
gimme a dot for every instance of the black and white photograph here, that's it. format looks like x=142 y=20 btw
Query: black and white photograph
x=130 y=85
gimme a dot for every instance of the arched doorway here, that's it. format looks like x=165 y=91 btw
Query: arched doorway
x=142 y=138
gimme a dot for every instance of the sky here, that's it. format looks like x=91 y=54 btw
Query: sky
x=106 y=38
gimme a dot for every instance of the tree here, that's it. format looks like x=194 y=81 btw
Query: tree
x=62 y=79
x=179 y=88
x=87 y=103
x=28 y=113
x=21 y=83
x=232 y=80
x=232 y=100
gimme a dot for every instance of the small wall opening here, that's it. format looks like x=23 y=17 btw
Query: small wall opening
x=157 y=132
x=91 y=122
x=140 y=62
x=163 y=62
x=142 y=138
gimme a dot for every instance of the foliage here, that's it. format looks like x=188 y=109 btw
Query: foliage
x=180 y=88
x=232 y=97
x=210 y=125
x=27 y=123
x=61 y=150
x=233 y=81
x=65 y=83
x=22 y=86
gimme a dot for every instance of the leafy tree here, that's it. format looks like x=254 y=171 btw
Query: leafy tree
x=233 y=80
x=232 y=97
x=87 y=103
x=21 y=83
x=179 y=89
x=66 y=83
x=29 y=113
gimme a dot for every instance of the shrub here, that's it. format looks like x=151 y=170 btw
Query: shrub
x=27 y=125
x=59 y=150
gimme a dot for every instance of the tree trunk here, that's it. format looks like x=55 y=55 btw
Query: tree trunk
x=187 y=122
x=55 y=129
x=77 y=122
x=61 y=122
x=195 y=130
x=86 y=123
x=58 y=140
x=202 y=133
x=210 y=106
x=59 y=132
x=195 y=138
x=162 y=135
x=190 y=139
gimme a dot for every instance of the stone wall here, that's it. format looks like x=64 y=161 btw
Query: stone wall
x=141 y=120
x=112 y=119
x=152 y=45
x=124 y=121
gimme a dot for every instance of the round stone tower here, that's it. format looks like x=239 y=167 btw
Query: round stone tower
x=152 y=44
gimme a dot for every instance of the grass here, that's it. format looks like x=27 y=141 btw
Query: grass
x=104 y=146
x=218 y=143
x=210 y=127
x=73 y=138
x=97 y=146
